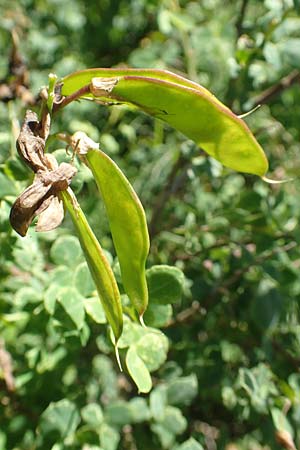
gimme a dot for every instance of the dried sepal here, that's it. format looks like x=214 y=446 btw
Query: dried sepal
x=101 y=86
x=27 y=205
x=52 y=217
x=81 y=143
x=41 y=199
x=31 y=145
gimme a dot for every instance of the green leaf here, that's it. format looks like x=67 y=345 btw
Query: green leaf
x=173 y=420
x=83 y=280
x=153 y=348
x=94 y=309
x=165 y=436
x=48 y=361
x=139 y=410
x=132 y=332
x=184 y=105
x=291 y=52
x=229 y=397
x=106 y=377
x=109 y=438
x=165 y=284
x=7 y=186
x=92 y=415
x=138 y=370
x=27 y=294
x=118 y=413
x=281 y=422
x=266 y=306
x=230 y=352
x=27 y=254
x=158 y=316
x=5 y=225
x=190 y=444
x=50 y=298
x=73 y=304
x=61 y=276
x=259 y=384
x=61 y=416
x=66 y=251
x=91 y=447
x=2 y=441
x=248 y=381
x=182 y=391
x=158 y=402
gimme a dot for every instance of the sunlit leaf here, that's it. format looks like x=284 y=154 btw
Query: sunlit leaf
x=138 y=370
x=165 y=284
x=61 y=416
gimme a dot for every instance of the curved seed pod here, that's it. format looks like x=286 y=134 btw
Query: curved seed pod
x=126 y=219
x=184 y=105
x=77 y=80
x=99 y=267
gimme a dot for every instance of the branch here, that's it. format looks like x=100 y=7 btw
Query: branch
x=283 y=84
x=238 y=274
x=240 y=19
x=173 y=183
x=191 y=313
x=64 y=101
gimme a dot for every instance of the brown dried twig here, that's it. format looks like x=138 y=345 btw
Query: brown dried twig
x=16 y=83
x=271 y=92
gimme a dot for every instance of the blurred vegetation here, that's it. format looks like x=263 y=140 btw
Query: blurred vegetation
x=231 y=379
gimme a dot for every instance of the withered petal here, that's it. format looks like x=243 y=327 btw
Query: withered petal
x=60 y=178
x=33 y=194
x=51 y=217
x=30 y=144
x=20 y=217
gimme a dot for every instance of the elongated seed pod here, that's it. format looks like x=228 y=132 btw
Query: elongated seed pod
x=126 y=216
x=99 y=266
x=183 y=104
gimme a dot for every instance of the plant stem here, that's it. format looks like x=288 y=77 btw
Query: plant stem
x=239 y=24
x=70 y=98
x=283 y=84
x=169 y=189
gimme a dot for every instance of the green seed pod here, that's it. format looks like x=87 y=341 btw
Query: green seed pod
x=183 y=104
x=99 y=266
x=126 y=216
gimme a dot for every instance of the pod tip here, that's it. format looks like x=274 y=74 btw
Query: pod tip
x=141 y=319
x=270 y=181
x=242 y=116
x=118 y=357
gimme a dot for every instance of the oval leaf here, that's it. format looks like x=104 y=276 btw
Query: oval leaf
x=153 y=348
x=165 y=284
x=72 y=302
x=138 y=371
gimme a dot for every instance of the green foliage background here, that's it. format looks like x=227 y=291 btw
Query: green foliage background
x=231 y=378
